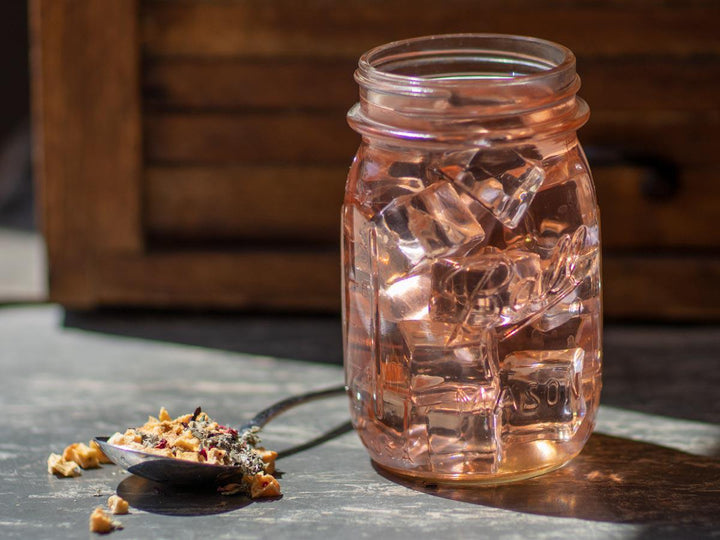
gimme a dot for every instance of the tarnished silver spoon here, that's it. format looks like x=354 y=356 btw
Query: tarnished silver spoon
x=177 y=471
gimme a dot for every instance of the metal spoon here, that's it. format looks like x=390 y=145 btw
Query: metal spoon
x=176 y=471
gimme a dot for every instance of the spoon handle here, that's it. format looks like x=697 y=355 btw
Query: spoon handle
x=264 y=416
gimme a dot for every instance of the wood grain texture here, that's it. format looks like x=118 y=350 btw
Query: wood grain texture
x=282 y=28
x=263 y=137
x=323 y=137
x=288 y=280
x=646 y=83
x=282 y=203
x=301 y=203
x=86 y=109
x=632 y=220
x=662 y=287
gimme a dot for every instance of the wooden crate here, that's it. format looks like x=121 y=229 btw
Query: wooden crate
x=193 y=153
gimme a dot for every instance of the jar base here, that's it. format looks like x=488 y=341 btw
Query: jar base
x=464 y=480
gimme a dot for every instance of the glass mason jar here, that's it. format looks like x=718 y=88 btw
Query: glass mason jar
x=471 y=260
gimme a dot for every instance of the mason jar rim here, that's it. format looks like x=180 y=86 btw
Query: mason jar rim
x=545 y=60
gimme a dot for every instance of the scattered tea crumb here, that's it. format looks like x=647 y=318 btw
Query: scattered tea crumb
x=101 y=523
x=117 y=505
x=62 y=467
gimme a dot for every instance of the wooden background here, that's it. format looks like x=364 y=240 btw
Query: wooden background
x=193 y=153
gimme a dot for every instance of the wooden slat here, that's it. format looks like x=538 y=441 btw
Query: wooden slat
x=683 y=220
x=645 y=83
x=296 y=203
x=86 y=111
x=325 y=138
x=223 y=280
x=657 y=288
x=319 y=138
x=246 y=83
x=662 y=287
x=326 y=28
x=260 y=203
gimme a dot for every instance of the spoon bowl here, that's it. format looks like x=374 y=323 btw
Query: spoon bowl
x=181 y=472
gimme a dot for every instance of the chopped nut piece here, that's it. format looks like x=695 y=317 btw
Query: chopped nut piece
x=102 y=458
x=187 y=442
x=60 y=466
x=164 y=416
x=83 y=455
x=264 y=485
x=101 y=523
x=268 y=457
x=117 y=505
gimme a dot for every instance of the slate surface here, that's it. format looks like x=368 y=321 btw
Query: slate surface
x=641 y=475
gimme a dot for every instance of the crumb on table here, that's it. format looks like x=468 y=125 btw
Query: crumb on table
x=101 y=523
x=58 y=465
x=117 y=505
x=82 y=454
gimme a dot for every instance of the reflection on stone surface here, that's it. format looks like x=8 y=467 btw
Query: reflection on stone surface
x=613 y=480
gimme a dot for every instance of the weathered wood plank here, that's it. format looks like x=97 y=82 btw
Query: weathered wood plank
x=683 y=220
x=301 y=203
x=310 y=138
x=679 y=287
x=86 y=109
x=638 y=83
x=323 y=28
x=638 y=287
x=300 y=281
x=262 y=203
x=324 y=137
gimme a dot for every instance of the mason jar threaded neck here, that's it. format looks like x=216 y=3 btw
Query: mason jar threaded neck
x=474 y=88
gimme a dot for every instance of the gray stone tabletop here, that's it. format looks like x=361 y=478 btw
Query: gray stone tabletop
x=65 y=378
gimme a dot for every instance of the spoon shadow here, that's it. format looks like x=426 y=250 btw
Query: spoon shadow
x=613 y=480
x=168 y=500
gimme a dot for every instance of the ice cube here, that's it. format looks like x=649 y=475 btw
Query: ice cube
x=392 y=377
x=569 y=307
x=423 y=225
x=406 y=298
x=556 y=211
x=504 y=180
x=356 y=237
x=487 y=289
x=393 y=413
x=569 y=263
x=381 y=179
x=465 y=289
x=415 y=448
x=542 y=394
x=433 y=363
x=530 y=337
x=464 y=442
